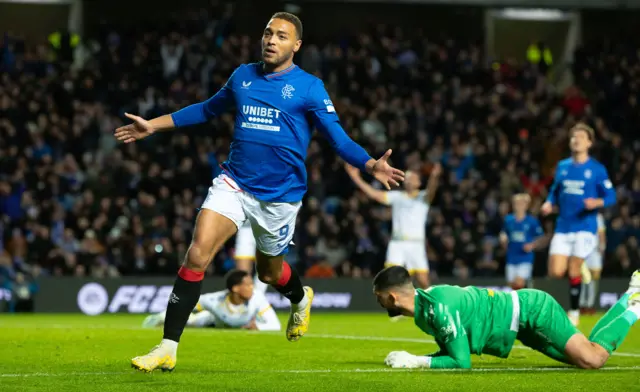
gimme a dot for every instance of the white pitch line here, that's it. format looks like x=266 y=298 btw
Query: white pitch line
x=429 y=341
x=311 y=335
x=336 y=371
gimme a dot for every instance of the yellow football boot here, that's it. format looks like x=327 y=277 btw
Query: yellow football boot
x=160 y=357
x=299 y=318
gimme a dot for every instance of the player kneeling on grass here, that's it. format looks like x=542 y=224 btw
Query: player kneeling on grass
x=481 y=321
x=239 y=306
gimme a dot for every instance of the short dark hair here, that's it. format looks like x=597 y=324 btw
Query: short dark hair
x=291 y=18
x=234 y=278
x=391 y=277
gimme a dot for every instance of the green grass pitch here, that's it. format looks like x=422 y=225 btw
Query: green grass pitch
x=342 y=352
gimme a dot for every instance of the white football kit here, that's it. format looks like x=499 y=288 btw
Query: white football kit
x=221 y=313
x=215 y=310
x=407 y=247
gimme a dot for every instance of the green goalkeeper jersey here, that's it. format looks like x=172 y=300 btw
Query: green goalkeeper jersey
x=466 y=320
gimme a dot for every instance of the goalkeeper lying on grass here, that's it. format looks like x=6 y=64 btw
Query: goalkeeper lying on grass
x=471 y=320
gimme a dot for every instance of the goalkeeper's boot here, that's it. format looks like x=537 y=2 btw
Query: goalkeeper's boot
x=634 y=299
x=160 y=357
x=299 y=318
x=153 y=320
x=634 y=284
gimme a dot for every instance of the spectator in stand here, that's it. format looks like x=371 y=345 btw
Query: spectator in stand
x=75 y=203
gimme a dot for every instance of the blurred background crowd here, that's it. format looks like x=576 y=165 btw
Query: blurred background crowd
x=74 y=202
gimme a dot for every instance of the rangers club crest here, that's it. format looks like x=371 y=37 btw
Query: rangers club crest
x=287 y=91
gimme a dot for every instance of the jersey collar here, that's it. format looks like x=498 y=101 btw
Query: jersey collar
x=576 y=163
x=274 y=75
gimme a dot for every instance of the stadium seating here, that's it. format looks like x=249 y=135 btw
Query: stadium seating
x=73 y=202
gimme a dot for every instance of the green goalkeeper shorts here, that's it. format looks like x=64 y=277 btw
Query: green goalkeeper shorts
x=544 y=325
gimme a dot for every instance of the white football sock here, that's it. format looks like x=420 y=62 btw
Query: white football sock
x=303 y=303
x=170 y=344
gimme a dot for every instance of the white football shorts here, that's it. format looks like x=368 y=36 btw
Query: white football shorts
x=520 y=270
x=411 y=255
x=273 y=223
x=580 y=244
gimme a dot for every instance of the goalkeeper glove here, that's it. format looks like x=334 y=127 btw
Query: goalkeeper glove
x=404 y=360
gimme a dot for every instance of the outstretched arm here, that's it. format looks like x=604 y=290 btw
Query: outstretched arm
x=453 y=342
x=194 y=114
x=324 y=116
x=432 y=185
x=201 y=112
x=373 y=193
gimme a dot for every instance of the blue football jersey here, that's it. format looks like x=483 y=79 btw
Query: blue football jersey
x=573 y=183
x=275 y=117
x=520 y=233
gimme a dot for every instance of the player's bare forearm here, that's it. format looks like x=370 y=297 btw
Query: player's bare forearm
x=371 y=192
x=432 y=187
x=538 y=243
x=162 y=123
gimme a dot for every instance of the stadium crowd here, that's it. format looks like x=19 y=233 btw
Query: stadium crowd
x=74 y=202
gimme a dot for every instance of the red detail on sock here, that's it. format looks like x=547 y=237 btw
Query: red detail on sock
x=285 y=276
x=190 y=275
x=575 y=281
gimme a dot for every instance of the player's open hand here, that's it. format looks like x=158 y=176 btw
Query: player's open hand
x=140 y=129
x=386 y=174
x=528 y=247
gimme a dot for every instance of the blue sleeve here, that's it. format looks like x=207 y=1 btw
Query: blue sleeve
x=201 y=112
x=604 y=187
x=552 y=197
x=325 y=118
